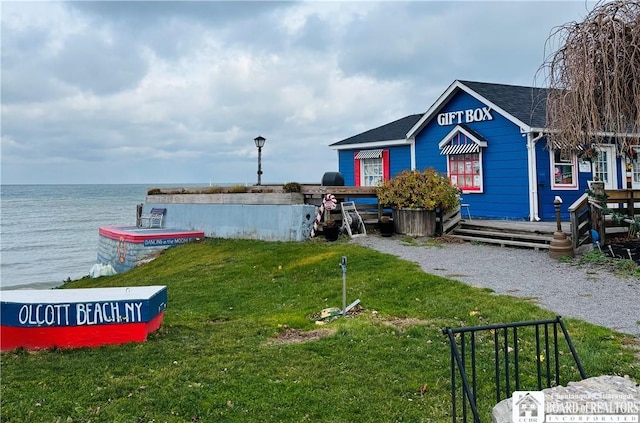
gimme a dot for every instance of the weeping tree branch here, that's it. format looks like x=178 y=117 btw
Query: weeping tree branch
x=595 y=78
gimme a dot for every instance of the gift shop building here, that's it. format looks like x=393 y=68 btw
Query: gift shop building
x=490 y=139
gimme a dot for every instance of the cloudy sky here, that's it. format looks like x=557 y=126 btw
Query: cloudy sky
x=175 y=92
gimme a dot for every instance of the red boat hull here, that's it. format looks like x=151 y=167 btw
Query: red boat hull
x=75 y=318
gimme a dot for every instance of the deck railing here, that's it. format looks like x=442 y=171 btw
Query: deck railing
x=511 y=357
x=580 y=216
x=586 y=213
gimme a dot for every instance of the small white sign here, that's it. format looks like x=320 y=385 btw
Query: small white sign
x=584 y=166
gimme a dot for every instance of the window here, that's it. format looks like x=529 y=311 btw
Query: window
x=464 y=171
x=463 y=148
x=371 y=167
x=563 y=167
x=371 y=172
x=635 y=166
x=601 y=167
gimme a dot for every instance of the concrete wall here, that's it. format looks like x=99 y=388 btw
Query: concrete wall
x=267 y=222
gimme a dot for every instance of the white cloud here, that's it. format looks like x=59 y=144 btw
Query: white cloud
x=175 y=92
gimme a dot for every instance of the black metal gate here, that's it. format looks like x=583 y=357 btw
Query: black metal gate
x=511 y=348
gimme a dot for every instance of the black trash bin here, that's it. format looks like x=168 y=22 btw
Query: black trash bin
x=332 y=179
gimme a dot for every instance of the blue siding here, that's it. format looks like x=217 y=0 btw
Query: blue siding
x=399 y=160
x=504 y=165
x=546 y=195
x=505 y=182
x=345 y=166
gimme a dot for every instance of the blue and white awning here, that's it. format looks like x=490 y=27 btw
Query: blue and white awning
x=461 y=140
x=467 y=148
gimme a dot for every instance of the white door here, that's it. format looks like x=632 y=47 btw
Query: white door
x=635 y=169
x=603 y=166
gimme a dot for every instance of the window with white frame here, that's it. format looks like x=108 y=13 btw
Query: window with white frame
x=371 y=167
x=635 y=165
x=464 y=171
x=463 y=148
x=563 y=168
x=371 y=172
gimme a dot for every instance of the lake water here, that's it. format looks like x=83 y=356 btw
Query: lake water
x=49 y=233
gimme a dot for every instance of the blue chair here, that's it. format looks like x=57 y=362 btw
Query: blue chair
x=464 y=206
x=595 y=238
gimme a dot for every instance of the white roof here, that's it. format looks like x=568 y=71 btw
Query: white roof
x=54 y=296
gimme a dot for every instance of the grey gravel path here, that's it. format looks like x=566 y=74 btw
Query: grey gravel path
x=594 y=295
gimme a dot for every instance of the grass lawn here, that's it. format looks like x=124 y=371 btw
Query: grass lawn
x=239 y=342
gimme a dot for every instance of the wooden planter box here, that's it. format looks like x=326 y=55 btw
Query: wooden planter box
x=415 y=222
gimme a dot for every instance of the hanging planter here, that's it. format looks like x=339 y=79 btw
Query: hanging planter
x=631 y=154
x=589 y=153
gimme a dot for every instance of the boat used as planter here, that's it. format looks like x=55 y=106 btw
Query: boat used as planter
x=72 y=318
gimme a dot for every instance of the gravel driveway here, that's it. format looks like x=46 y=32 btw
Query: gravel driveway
x=587 y=293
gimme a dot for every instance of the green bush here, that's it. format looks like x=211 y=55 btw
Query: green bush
x=292 y=187
x=238 y=189
x=213 y=190
x=420 y=190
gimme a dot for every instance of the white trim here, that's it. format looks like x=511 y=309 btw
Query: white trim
x=634 y=165
x=412 y=152
x=612 y=164
x=378 y=159
x=552 y=173
x=481 y=190
x=595 y=134
x=446 y=96
x=533 y=175
x=369 y=145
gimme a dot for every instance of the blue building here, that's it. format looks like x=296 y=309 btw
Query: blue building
x=490 y=139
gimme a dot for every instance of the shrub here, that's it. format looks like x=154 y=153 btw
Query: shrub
x=420 y=190
x=213 y=190
x=237 y=189
x=292 y=187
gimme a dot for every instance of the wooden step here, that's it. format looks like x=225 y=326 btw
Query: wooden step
x=531 y=237
x=498 y=229
x=502 y=242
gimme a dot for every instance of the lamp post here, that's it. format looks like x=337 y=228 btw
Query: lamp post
x=259 y=143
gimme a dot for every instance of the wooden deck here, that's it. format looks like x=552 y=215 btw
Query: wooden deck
x=544 y=227
x=535 y=235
